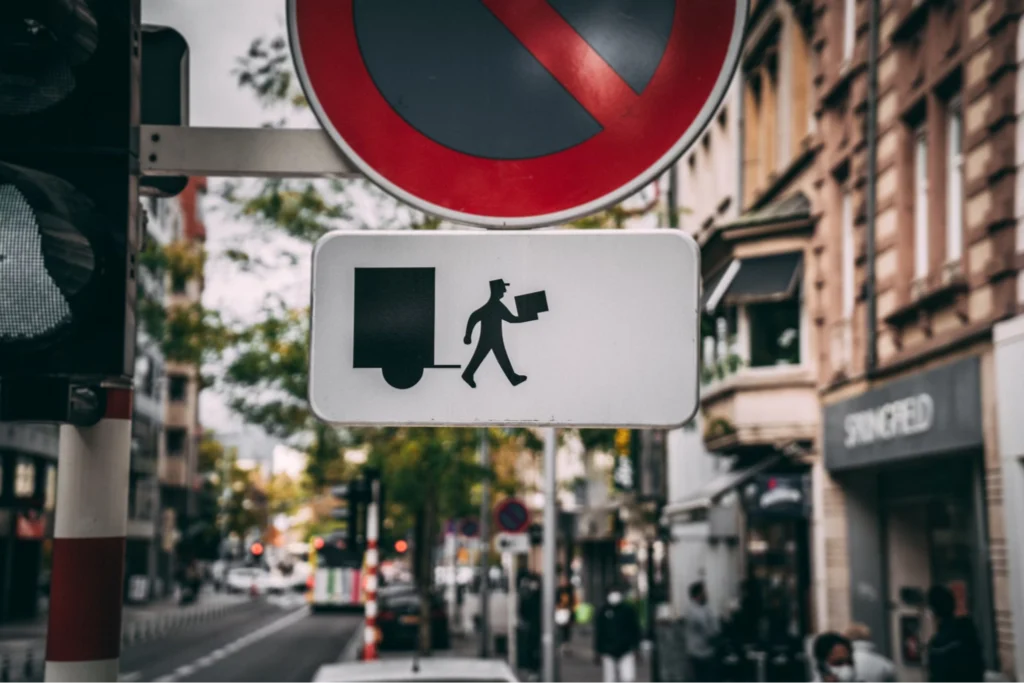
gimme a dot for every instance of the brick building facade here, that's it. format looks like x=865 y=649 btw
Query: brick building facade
x=894 y=520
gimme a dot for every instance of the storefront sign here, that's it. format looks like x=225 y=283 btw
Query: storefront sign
x=896 y=419
x=777 y=495
x=930 y=413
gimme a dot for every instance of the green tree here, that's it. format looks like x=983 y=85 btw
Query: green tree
x=430 y=475
x=239 y=502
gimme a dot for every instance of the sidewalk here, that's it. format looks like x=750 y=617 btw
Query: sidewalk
x=23 y=644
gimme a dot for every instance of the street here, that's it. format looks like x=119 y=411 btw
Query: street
x=261 y=642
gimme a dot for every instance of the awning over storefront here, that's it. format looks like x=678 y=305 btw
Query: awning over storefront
x=759 y=279
x=720 y=486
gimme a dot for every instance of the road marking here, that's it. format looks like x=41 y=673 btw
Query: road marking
x=223 y=652
x=130 y=676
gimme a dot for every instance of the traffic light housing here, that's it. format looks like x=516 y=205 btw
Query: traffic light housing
x=357 y=494
x=69 y=116
x=164 y=99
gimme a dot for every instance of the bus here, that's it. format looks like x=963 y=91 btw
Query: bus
x=335 y=577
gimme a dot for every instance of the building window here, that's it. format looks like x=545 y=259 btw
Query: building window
x=24 y=478
x=774 y=333
x=849 y=28
x=848 y=255
x=721 y=357
x=177 y=388
x=176 y=438
x=920 y=203
x=50 y=502
x=178 y=283
x=954 y=182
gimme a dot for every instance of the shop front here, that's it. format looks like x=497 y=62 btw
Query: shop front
x=746 y=535
x=778 y=550
x=909 y=457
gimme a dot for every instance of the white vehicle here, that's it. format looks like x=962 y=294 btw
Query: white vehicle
x=245 y=580
x=454 y=669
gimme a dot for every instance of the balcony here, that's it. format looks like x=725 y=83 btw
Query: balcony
x=758 y=408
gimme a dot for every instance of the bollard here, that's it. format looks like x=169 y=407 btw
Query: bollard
x=5 y=668
x=28 y=666
x=760 y=658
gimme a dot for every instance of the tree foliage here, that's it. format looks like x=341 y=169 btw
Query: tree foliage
x=187 y=332
x=232 y=500
x=268 y=374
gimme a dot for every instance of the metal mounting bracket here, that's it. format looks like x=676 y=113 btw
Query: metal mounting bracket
x=241 y=152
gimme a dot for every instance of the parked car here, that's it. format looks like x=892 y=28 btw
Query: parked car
x=398 y=618
x=451 y=669
x=245 y=580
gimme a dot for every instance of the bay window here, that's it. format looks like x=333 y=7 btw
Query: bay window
x=774 y=333
x=753 y=316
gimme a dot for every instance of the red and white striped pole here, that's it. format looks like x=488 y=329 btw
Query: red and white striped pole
x=372 y=560
x=84 y=636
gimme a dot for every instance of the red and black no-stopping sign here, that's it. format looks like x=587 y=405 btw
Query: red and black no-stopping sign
x=514 y=113
x=511 y=516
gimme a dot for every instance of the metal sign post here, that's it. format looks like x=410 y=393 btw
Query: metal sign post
x=372 y=560
x=83 y=640
x=511 y=563
x=485 y=547
x=549 y=567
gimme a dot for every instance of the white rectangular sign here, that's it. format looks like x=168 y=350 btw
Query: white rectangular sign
x=592 y=328
x=515 y=544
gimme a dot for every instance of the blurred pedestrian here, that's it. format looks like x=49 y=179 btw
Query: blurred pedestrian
x=529 y=645
x=565 y=613
x=954 y=652
x=701 y=634
x=616 y=637
x=868 y=663
x=833 y=658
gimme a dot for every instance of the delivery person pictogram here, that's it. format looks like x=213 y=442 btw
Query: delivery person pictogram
x=491 y=316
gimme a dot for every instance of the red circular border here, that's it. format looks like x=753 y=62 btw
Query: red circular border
x=692 y=65
x=501 y=508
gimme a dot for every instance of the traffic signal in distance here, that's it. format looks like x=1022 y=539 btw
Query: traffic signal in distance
x=256 y=550
x=356 y=497
x=69 y=114
x=401 y=546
